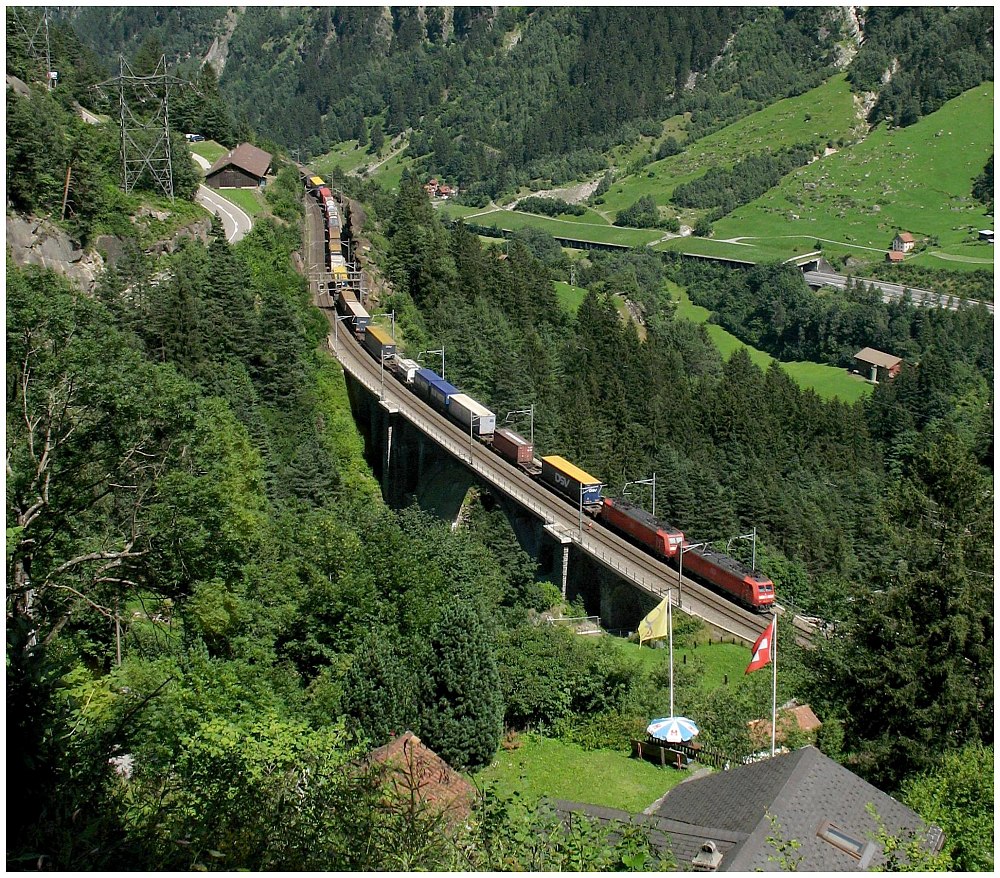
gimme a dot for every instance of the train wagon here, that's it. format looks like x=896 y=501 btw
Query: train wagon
x=379 y=343
x=569 y=480
x=349 y=306
x=315 y=183
x=432 y=388
x=464 y=410
x=513 y=447
x=748 y=587
x=405 y=369
x=640 y=526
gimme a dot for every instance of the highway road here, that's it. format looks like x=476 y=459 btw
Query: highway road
x=890 y=291
x=562 y=519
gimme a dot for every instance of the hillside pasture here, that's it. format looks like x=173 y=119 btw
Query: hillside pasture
x=823 y=114
x=917 y=179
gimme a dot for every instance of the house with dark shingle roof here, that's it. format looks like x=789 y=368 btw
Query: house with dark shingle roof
x=723 y=821
x=242 y=168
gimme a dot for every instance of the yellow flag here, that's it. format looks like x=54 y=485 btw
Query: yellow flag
x=654 y=625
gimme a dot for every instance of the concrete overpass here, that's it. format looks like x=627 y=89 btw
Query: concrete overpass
x=560 y=520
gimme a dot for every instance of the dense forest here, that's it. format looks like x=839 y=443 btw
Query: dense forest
x=839 y=494
x=493 y=98
x=212 y=618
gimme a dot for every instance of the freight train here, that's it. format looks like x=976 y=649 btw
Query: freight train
x=751 y=588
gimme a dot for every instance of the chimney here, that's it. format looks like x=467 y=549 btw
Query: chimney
x=707 y=859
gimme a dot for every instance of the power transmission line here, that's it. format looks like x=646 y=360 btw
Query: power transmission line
x=144 y=119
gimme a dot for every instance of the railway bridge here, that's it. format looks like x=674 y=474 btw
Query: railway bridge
x=393 y=409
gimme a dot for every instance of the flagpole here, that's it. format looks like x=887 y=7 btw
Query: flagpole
x=670 y=627
x=774 y=680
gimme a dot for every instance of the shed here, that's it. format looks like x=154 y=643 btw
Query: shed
x=790 y=717
x=879 y=364
x=986 y=235
x=894 y=256
x=242 y=168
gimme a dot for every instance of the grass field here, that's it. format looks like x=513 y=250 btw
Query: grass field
x=917 y=179
x=823 y=114
x=544 y=767
x=251 y=201
x=208 y=150
x=827 y=381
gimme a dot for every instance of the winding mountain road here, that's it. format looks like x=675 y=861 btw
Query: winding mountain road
x=235 y=221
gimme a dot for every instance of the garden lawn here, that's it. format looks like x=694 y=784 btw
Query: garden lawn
x=545 y=767
x=717 y=661
x=827 y=381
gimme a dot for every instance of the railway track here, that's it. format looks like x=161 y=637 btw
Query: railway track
x=561 y=518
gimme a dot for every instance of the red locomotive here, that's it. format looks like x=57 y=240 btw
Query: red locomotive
x=748 y=587
x=635 y=522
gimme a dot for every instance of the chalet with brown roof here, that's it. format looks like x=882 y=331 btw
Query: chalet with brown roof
x=894 y=256
x=879 y=365
x=413 y=768
x=903 y=242
x=242 y=168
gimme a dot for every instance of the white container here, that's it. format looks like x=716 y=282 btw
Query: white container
x=463 y=409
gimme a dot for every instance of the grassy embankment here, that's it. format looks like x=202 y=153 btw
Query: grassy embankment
x=827 y=381
x=352 y=159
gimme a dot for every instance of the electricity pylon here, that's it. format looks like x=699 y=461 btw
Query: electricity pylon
x=144 y=117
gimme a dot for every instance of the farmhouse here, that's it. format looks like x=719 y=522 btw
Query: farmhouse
x=903 y=242
x=878 y=364
x=242 y=168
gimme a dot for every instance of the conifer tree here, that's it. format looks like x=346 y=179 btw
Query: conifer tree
x=463 y=709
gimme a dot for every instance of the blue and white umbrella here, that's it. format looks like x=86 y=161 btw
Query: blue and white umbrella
x=672 y=728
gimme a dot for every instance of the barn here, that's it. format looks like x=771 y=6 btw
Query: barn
x=878 y=364
x=242 y=168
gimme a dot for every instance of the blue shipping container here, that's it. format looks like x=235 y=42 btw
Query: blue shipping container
x=439 y=392
x=422 y=380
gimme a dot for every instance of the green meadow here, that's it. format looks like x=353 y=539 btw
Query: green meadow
x=917 y=179
x=827 y=381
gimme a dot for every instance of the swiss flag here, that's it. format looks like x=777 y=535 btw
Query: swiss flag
x=762 y=650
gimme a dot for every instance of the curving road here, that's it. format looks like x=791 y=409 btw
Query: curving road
x=235 y=221
x=562 y=519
